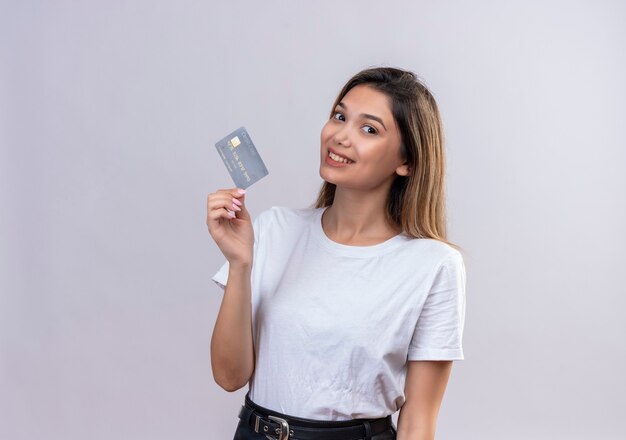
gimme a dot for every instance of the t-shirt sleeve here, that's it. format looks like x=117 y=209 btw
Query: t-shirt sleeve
x=439 y=330
x=221 y=276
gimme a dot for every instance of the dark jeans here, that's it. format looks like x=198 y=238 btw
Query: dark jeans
x=245 y=432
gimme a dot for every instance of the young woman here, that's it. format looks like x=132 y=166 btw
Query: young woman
x=342 y=314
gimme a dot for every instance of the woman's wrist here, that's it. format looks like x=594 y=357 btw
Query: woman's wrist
x=240 y=266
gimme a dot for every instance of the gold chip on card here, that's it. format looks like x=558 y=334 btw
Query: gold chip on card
x=235 y=141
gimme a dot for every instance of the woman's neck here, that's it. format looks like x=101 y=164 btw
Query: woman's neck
x=358 y=218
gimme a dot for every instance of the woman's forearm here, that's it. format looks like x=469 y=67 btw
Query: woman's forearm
x=425 y=434
x=416 y=423
x=425 y=431
x=232 y=352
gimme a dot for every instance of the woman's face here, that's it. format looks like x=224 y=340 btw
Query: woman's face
x=360 y=143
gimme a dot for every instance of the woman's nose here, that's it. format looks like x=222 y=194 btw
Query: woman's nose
x=342 y=137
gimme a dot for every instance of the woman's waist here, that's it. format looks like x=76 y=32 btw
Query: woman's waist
x=284 y=426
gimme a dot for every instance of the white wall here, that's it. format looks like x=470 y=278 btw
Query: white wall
x=109 y=112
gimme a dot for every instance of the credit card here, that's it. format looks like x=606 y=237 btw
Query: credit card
x=241 y=158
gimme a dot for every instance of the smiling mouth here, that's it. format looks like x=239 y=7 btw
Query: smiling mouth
x=338 y=158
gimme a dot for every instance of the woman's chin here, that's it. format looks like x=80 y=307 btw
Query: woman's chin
x=324 y=175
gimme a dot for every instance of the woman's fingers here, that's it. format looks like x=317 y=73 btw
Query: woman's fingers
x=216 y=214
x=225 y=203
x=227 y=199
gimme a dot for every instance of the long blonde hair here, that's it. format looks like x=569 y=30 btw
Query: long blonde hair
x=417 y=202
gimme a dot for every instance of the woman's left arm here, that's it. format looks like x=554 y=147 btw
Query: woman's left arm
x=426 y=382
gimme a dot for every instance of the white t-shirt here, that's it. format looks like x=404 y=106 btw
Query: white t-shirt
x=334 y=325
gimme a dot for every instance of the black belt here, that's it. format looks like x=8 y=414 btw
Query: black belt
x=282 y=427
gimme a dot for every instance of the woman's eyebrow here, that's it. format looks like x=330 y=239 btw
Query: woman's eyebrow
x=365 y=115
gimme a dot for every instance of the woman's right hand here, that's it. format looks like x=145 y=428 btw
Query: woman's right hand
x=230 y=225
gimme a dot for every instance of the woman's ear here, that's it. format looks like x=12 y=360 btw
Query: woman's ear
x=403 y=170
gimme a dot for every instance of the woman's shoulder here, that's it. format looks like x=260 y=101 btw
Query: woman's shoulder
x=437 y=251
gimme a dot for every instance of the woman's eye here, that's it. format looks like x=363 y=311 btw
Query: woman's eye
x=369 y=129
x=338 y=116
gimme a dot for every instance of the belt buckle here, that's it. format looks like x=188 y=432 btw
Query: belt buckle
x=283 y=431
